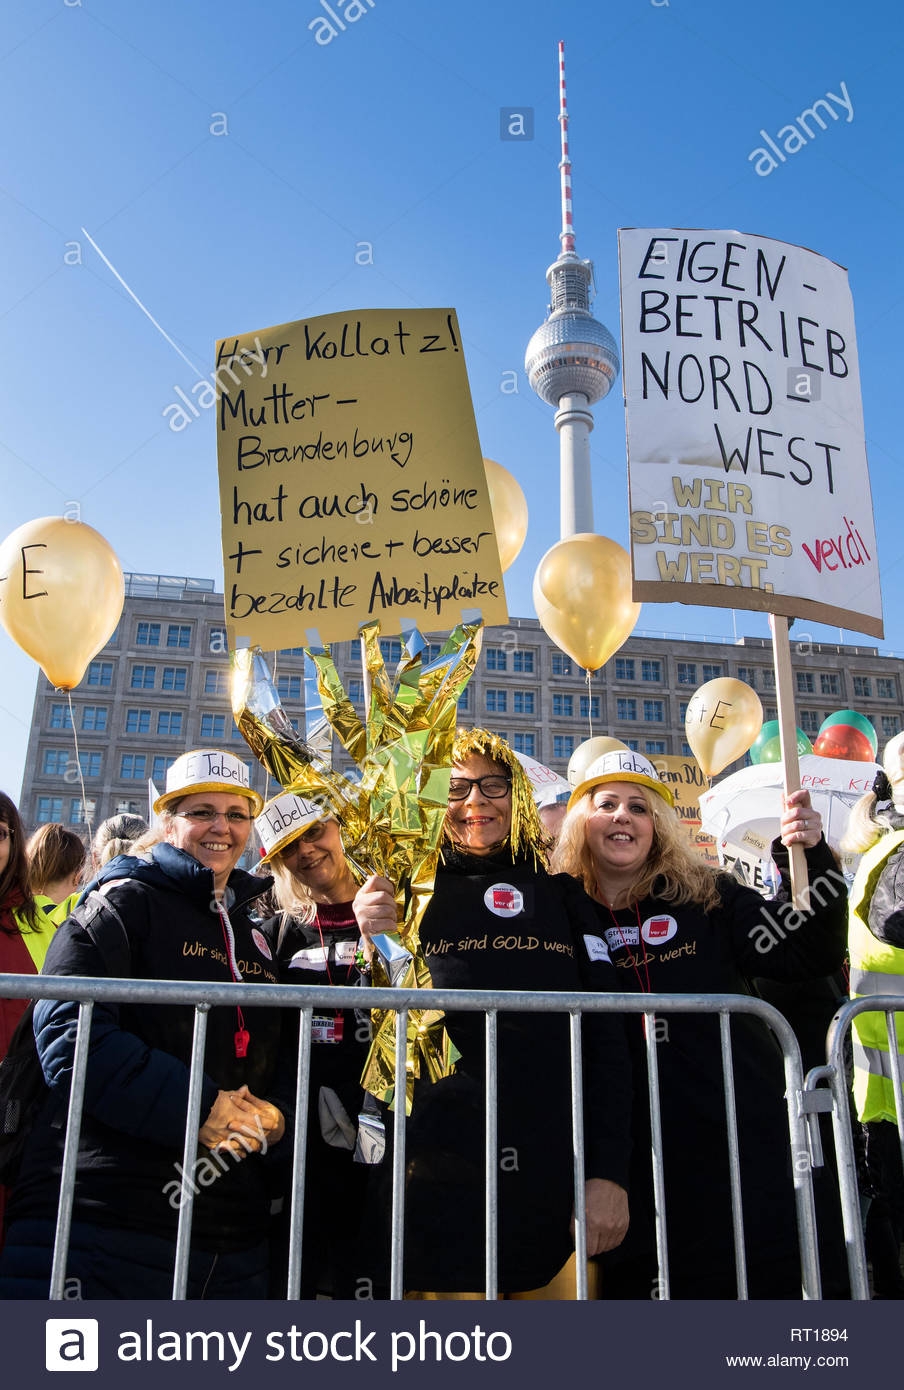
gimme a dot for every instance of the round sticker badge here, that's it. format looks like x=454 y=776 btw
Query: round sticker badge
x=260 y=942
x=657 y=930
x=504 y=900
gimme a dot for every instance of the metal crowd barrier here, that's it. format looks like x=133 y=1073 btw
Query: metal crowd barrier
x=803 y=1137
x=831 y=1087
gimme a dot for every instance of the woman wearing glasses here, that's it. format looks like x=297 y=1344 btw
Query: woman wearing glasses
x=182 y=913
x=499 y=921
x=317 y=943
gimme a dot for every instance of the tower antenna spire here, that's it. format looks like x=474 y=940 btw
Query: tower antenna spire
x=566 y=236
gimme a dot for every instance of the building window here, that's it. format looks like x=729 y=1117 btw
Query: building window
x=240 y=738
x=686 y=749
x=712 y=670
x=625 y=708
x=632 y=743
x=651 y=671
x=133 y=767
x=217 y=641
x=160 y=767
x=213 y=725
x=805 y=683
x=299 y=651
x=138 y=721
x=179 y=635
x=682 y=709
x=890 y=725
x=56 y=760
x=148 y=635
x=653 y=711
x=687 y=673
x=563 y=706
x=561 y=664
x=431 y=652
x=90 y=764
x=768 y=678
x=169 y=723
x=562 y=745
x=497 y=702
x=863 y=686
x=624 y=668
x=885 y=687
x=830 y=684
x=60 y=717
x=94 y=718
x=590 y=707
x=100 y=673
x=810 y=720
x=497 y=659
x=356 y=691
x=524 y=702
x=391 y=649
x=464 y=700
x=143 y=678
x=288 y=687
x=523 y=663
x=174 y=678
x=526 y=743
x=655 y=745
x=748 y=675
x=50 y=808
x=127 y=808
x=80 y=810
x=216 y=683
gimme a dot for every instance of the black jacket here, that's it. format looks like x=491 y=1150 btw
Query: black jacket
x=137 y=1079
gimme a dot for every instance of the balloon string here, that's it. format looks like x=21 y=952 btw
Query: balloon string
x=589 y=676
x=81 y=776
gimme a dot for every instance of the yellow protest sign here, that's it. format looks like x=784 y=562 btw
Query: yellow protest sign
x=352 y=485
x=685 y=780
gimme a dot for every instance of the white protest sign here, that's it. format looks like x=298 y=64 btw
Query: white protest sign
x=747 y=467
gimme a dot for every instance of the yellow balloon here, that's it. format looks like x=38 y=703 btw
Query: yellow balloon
x=509 y=507
x=587 y=752
x=582 y=594
x=61 y=594
x=723 y=719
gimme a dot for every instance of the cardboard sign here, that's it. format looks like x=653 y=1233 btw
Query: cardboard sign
x=351 y=479
x=686 y=781
x=747 y=467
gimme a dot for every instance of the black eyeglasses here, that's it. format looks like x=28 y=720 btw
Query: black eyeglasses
x=5 y=834
x=492 y=786
x=205 y=816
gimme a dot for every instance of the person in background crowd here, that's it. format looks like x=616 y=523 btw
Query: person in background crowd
x=552 y=816
x=185 y=915
x=26 y=926
x=876 y=949
x=671 y=924
x=56 y=857
x=116 y=835
x=498 y=920
x=317 y=942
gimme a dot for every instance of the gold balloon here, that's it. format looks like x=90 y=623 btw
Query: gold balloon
x=582 y=594
x=587 y=752
x=61 y=594
x=723 y=719
x=509 y=507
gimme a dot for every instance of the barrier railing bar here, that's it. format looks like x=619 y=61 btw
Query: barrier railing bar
x=400 y=1101
x=662 y=1240
x=895 y=1060
x=302 y=1098
x=192 y=1125
x=492 y=1165
x=734 y=1158
x=70 y=1151
x=577 y=1131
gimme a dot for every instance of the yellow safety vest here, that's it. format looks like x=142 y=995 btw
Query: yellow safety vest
x=876 y=968
x=49 y=916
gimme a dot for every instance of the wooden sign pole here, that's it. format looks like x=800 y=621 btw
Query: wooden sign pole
x=784 y=682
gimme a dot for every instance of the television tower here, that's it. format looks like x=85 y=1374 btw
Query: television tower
x=572 y=360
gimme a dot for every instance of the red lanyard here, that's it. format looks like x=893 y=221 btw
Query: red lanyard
x=642 y=980
x=242 y=1036
x=326 y=954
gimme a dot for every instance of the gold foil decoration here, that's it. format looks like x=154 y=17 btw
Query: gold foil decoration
x=392 y=820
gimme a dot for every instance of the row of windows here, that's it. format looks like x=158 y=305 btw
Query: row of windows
x=58 y=762
x=177 y=635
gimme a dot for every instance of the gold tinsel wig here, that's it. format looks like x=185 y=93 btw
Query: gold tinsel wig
x=528 y=836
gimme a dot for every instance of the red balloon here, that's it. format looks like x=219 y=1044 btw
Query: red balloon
x=844 y=741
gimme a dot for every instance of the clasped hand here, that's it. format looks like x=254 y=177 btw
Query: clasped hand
x=239 y=1121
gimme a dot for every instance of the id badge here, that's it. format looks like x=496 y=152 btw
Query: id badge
x=327 y=1028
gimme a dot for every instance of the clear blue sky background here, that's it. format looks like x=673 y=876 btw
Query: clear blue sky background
x=390 y=134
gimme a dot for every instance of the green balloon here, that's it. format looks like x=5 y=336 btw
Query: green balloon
x=853 y=720
x=767 y=747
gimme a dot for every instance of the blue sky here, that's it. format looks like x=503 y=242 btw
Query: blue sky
x=390 y=135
